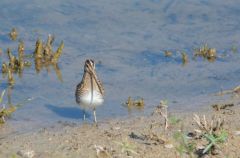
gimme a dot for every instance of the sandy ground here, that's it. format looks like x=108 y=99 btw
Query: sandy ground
x=143 y=137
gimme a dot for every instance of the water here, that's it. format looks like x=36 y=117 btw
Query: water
x=127 y=40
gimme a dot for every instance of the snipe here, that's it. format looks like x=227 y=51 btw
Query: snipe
x=89 y=92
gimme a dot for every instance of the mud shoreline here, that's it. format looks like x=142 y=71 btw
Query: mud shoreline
x=136 y=137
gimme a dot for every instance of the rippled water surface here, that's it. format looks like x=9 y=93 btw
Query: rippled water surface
x=127 y=39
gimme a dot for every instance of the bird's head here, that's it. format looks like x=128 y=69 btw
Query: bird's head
x=89 y=65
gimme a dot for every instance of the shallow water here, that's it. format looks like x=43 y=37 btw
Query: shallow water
x=127 y=40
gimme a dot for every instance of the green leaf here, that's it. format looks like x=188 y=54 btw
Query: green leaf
x=207 y=148
x=177 y=135
x=214 y=139
x=223 y=137
x=1 y=99
x=164 y=103
x=173 y=120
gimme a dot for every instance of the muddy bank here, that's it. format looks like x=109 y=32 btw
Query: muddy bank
x=137 y=137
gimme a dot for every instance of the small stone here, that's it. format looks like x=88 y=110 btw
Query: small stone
x=169 y=146
x=237 y=133
x=26 y=153
x=117 y=128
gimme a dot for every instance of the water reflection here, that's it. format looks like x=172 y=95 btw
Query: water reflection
x=39 y=65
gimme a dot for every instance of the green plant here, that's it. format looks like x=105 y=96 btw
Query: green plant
x=6 y=112
x=127 y=147
x=14 y=156
x=214 y=140
x=211 y=130
x=1 y=98
x=185 y=146
x=173 y=120
x=234 y=49
x=2 y=120
x=164 y=103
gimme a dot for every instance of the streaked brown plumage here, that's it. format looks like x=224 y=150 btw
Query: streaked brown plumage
x=89 y=92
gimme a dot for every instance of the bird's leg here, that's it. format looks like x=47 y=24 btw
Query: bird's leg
x=3 y=119
x=94 y=113
x=84 y=116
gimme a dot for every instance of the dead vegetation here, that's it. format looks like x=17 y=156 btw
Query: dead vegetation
x=212 y=131
x=234 y=92
x=15 y=65
x=168 y=53
x=206 y=139
x=5 y=111
x=204 y=51
x=208 y=127
x=225 y=108
x=134 y=104
x=162 y=110
x=13 y=34
x=45 y=53
x=184 y=58
x=17 y=62
x=207 y=53
x=44 y=56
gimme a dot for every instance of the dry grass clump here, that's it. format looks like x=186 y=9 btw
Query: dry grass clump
x=212 y=131
x=162 y=110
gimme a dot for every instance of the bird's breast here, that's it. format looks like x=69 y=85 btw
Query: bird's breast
x=91 y=99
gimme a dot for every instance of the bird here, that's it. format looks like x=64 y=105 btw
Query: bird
x=89 y=92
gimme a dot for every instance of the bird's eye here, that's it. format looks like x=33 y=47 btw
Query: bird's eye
x=87 y=62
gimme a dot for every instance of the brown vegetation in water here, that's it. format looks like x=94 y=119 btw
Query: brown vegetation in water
x=5 y=111
x=13 y=34
x=134 y=104
x=44 y=57
x=207 y=53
